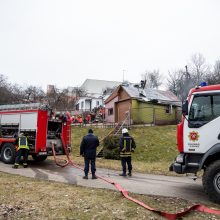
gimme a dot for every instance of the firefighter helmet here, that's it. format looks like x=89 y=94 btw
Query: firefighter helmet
x=124 y=130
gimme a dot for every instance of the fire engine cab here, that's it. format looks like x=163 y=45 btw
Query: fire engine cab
x=198 y=138
x=38 y=123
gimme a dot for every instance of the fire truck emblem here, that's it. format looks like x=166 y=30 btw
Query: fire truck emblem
x=193 y=136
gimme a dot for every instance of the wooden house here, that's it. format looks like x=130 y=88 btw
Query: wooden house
x=135 y=105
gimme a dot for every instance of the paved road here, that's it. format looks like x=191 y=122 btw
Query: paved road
x=182 y=187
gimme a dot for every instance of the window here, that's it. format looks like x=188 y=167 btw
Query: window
x=204 y=108
x=82 y=105
x=110 y=111
x=77 y=107
x=216 y=106
x=168 y=109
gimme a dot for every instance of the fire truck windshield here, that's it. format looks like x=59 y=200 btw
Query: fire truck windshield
x=204 y=108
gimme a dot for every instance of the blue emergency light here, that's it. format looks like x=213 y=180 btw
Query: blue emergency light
x=203 y=84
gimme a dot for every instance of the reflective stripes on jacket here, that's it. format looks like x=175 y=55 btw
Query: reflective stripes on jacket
x=23 y=143
x=127 y=145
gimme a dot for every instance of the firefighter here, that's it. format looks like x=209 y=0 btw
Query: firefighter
x=127 y=145
x=88 y=147
x=72 y=119
x=23 y=150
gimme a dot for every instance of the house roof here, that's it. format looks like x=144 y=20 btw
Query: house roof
x=96 y=87
x=135 y=92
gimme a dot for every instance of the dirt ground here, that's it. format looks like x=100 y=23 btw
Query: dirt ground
x=28 y=198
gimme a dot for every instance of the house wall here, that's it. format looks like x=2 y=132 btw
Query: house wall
x=86 y=103
x=80 y=101
x=148 y=113
x=162 y=118
x=142 y=113
x=109 y=105
x=94 y=102
x=120 y=108
x=123 y=109
x=123 y=95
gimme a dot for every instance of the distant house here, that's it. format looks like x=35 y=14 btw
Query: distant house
x=136 y=105
x=95 y=88
x=97 y=91
x=88 y=103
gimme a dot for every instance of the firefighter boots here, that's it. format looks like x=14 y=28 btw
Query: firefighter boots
x=94 y=176
x=129 y=174
x=85 y=177
x=25 y=165
x=15 y=166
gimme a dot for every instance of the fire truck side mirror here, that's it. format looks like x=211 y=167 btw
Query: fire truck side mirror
x=185 y=108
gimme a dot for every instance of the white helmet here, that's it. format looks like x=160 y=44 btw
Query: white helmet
x=124 y=130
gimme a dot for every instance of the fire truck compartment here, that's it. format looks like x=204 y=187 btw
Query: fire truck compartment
x=54 y=131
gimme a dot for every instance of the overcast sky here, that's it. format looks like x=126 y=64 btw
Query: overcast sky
x=63 y=42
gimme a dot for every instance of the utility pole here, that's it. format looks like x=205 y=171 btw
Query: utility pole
x=123 y=75
x=187 y=73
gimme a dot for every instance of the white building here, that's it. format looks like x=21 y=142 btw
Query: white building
x=88 y=103
x=95 y=90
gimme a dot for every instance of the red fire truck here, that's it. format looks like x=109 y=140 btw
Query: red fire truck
x=39 y=124
x=198 y=138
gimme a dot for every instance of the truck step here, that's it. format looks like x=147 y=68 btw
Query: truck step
x=193 y=165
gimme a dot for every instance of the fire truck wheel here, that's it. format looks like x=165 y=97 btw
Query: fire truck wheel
x=8 y=153
x=211 y=181
x=39 y=158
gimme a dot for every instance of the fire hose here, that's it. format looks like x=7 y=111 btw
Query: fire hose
x=171 y=216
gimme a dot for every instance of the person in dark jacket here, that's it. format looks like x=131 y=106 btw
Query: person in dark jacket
x=127 y=145
x=88 y=147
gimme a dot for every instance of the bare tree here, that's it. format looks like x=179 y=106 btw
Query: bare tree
x=153 y=79
x=214 y=76
x=54 y=97
x=63 y=99
x=173 y=81
x=57 y=98
x=17 y=94
x=180 y=82
x=4 y=90
x=198 y=68
x=217 y=68
x=78 y=92
x=34 y=94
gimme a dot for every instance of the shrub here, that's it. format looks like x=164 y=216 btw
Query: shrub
x=111 y=147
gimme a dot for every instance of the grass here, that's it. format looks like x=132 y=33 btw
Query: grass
x=27 y=198
x=156 y=148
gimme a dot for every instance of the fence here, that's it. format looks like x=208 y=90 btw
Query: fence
x=150 y=115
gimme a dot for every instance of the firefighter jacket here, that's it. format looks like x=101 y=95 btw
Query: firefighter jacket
x=88 y=146
x=127 y=145
x=23 y=143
